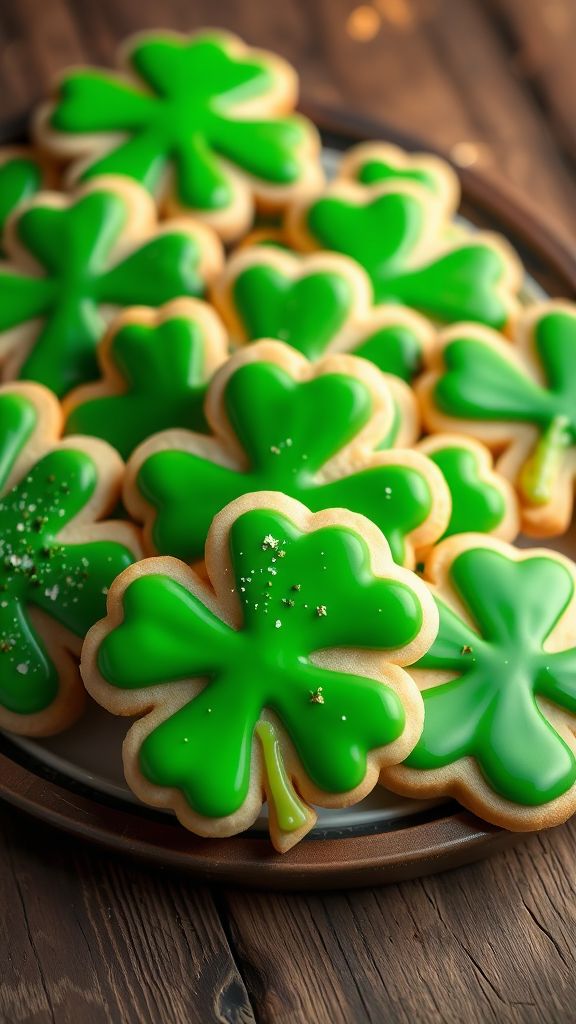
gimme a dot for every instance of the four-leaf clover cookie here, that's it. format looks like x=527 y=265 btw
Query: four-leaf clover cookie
x=483 y=501
x=307 y=430
x=403 y=234
x=499 y=685
x=73 y=261
x=155 y=366
x=202 y=121
x=283 y=679
x=520 y=400
x=57 y=558
x=318 y=304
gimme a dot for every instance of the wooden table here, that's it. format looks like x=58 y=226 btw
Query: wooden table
x=89 y=938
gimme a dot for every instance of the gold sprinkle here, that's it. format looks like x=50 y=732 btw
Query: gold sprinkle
x=296 y=586
x=466 y=649
x=274 y=449
x=316 y=696
x=270 y=543
x=321 y=611
x=288 y=602
x=282 y=554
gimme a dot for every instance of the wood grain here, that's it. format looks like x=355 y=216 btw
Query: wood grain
x=447 y=72
x=490 y=943
x=89 y=938
x=541 y=37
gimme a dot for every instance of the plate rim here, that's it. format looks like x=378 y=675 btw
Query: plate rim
x=448 y=839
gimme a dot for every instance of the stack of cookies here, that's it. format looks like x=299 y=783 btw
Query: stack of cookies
x=266 y=443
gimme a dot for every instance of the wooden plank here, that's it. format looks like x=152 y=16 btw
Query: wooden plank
x=542 y=35
x=490 y=943
x=433 y=68
x=444 y=75
x=87 y=937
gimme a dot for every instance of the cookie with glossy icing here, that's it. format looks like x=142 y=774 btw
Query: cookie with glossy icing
x=284 y=681
x=204 y=122
x=59 y=553
x=519 y=399
x=499 y=685
x=313 y=431
x=73 y=261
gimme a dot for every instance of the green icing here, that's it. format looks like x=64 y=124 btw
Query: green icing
x=180 y=117
x=290 y=811
x=490 y=710
x=288 y=432
x=307 y=313
x=477 y=506
x=67 y=581
x=481 y=383
x=74 y=246
x=18 y=420
x=296 y=592
x=391 y=438
x=383 y=235
x=393 y=349
x=380 y=172
x=164 y=373
x=20 y=179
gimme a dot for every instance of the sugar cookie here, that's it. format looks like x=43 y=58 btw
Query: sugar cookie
x=155 y=368
x=305 y=429
x=283 y=681
x=520 y=400
x=74 y=261
x=57 y=558
x=203 y=121
x=499 y=685
x=401 y=232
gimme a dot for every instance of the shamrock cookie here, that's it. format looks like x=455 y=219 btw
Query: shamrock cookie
x=280 y=423
x=57 y=559
x=202 y=121
x=483 y=501
x=378 y=163
x=284 y=679
x=22 y=174
x=73 y=261
x=318 y=304
x=520 y=399
x=155 y=367
x=499 y=685
x=401 y=232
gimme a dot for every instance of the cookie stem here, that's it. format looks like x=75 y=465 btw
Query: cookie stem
x=291 y=814
x=541 y=470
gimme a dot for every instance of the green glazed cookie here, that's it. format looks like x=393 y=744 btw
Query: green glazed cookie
x=58 y=556
x=499 y=685
x=283 y=679
x=204 y=122
x=74 y=261
x=280 y=423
